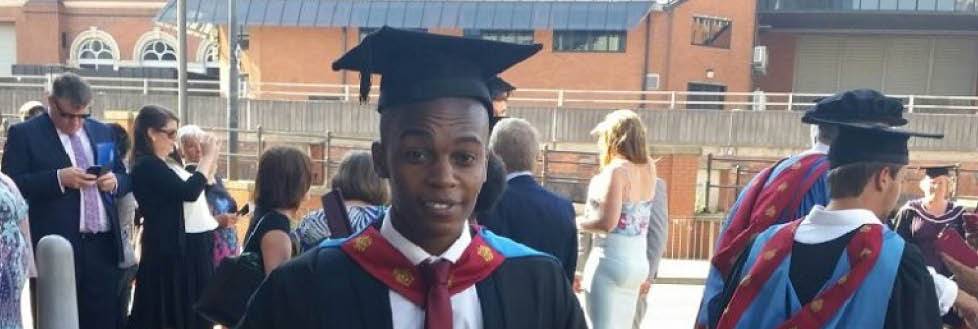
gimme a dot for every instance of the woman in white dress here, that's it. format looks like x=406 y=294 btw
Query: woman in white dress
x=619 y=207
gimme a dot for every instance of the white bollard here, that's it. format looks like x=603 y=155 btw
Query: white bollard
x=57 y=301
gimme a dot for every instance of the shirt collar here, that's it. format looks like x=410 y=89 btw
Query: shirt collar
x=824 y=225
x=413 y=252
x=510 y=176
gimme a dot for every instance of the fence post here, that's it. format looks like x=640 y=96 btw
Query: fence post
x=791 y=102
x=145 y=86
x=560 y=98
x=260 y=146
x=709 y=175
x=672 y=100
x=328 y=144
x=543 y=173
x=346 y=93
x=553 y=126
x=910 y=104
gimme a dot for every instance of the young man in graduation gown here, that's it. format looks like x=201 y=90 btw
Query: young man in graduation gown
x=838 y=267
x=789 y=189
x=422 y=266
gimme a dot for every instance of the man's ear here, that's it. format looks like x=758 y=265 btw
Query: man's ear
x=883 y=177
x=379 y=155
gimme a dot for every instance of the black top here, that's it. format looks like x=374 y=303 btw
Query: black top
x=913 y=300
x=323 y=289
x=161 y=194
x=418 y=66
x=266 y=221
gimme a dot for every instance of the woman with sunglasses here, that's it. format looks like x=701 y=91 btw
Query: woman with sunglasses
x=177 y=241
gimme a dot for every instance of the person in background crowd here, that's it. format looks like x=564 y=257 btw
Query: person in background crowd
x=921 y=221
x=31 y=110
x=365 y=194
x=527 y=212
x=499 y=91
x=657 y=237
x=283 y=180
x=15 y=252
x=423 y=266
x=793 y=186
x=220 y=203
x=491 y=190
x=126 y=206
x=64 y=164
x=620 y=206
x=178 y=238
x=839 y=267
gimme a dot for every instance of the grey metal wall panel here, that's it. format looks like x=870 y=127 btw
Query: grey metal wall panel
x=500 y=15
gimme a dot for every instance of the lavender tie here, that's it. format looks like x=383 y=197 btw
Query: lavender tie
x=90 y=219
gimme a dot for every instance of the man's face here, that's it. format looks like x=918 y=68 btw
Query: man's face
x=435 y=159
x=892 y=187
x=68 y=116
x=190 y=149
x=500 y=106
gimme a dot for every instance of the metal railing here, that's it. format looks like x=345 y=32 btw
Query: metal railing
x=950 y=6
x=672 y=100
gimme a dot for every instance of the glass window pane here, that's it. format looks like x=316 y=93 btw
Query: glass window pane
x=105 y=55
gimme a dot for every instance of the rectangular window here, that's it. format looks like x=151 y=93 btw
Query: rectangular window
x=512 y=36
x=701 y=97
x=590 y=41
x=364 y=31
x=712 y=32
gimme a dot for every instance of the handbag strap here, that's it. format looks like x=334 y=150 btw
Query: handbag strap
x=257 y=226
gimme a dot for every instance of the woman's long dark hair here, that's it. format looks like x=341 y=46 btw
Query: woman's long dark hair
x=150 y=116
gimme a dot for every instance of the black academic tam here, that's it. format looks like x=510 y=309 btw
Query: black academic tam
x=324 y=289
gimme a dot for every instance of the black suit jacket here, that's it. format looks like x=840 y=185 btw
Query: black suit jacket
x=32 y=156
x=540 y=219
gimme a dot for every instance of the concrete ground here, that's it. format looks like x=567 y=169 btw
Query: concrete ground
x=672 y=303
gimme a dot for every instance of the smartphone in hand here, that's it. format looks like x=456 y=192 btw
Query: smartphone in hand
x=98 y=171
x=244 y=210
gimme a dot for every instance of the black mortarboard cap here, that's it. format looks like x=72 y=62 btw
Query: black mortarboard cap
x=938 y=171
x=418 y=66
x=861 y=142
x=859 y=105
x=498 y=87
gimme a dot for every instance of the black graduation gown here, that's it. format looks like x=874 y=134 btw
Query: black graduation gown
x=324 y=288
x=913 y=300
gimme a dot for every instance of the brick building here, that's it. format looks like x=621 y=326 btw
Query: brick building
x=588 y=45
x=112 y=38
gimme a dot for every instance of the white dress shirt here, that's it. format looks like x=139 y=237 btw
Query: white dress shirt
x=87 y=145
x=466 y=309
x=824 y=225
x=197 y=216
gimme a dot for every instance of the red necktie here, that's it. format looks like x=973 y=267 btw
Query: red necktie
x=438 y=304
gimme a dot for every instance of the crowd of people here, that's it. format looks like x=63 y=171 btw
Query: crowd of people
x=451 y=229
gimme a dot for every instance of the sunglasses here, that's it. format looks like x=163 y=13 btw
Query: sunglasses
x=62 y=114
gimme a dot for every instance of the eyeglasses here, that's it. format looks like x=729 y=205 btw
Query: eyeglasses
x=69 y=116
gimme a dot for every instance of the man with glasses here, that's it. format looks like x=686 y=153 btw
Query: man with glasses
x=65 y=165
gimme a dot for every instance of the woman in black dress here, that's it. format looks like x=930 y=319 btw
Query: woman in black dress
x=176 y=247
x=283 y=179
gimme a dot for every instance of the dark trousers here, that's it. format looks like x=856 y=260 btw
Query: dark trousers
x=97 y=277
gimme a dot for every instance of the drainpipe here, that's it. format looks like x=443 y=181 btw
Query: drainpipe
x=645 y=60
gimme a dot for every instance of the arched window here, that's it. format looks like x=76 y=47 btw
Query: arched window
x=94 y=48
x=158 y=53
x=211 y=56
x=95 y=52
